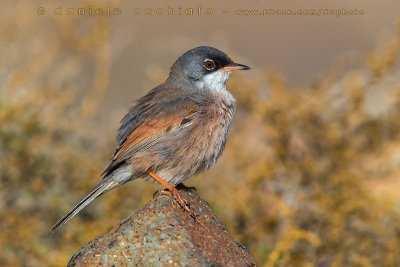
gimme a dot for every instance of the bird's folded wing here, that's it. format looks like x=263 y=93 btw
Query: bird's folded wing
x=150 y=129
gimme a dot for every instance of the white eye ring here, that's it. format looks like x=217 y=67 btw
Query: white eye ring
x=209 y=64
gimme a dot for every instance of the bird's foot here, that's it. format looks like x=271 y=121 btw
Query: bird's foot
x=174 y=193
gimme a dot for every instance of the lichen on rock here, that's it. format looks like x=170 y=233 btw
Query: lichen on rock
x=163 y=234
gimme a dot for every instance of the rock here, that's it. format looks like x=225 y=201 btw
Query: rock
x=163 y=234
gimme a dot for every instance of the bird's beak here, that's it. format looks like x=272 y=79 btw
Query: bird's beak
x=234 y=66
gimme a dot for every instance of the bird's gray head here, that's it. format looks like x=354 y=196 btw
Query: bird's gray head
x=205 y=67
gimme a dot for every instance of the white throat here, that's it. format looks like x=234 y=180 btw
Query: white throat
x=215 y=81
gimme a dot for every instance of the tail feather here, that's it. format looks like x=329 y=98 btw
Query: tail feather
x=100 y=188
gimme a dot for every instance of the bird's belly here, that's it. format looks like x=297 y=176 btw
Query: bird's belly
x=197 y=149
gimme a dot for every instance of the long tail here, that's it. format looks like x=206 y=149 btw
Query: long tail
x=103 y=186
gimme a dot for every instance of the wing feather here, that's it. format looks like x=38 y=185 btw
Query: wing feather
x=152 y=126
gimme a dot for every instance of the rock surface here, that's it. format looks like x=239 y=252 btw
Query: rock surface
x=163 y=234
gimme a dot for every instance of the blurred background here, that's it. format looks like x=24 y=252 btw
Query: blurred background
x=310 y=175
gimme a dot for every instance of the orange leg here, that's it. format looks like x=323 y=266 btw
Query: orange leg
x=172 y=189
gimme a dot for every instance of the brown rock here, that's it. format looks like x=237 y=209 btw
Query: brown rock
x=163 y=234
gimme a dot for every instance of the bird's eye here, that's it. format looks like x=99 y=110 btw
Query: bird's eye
x=209 y=64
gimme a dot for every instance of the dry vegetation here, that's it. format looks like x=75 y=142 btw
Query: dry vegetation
x=309 y=175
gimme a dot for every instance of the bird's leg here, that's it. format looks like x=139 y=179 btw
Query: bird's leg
x=173 y=191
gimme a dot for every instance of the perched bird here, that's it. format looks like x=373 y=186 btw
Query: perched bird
x=176 y=130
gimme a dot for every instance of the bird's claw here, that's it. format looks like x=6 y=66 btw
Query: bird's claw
x=174 y=193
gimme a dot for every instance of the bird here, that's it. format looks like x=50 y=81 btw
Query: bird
x=177 y=130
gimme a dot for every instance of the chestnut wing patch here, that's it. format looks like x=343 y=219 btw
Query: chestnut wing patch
x=148 y=133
